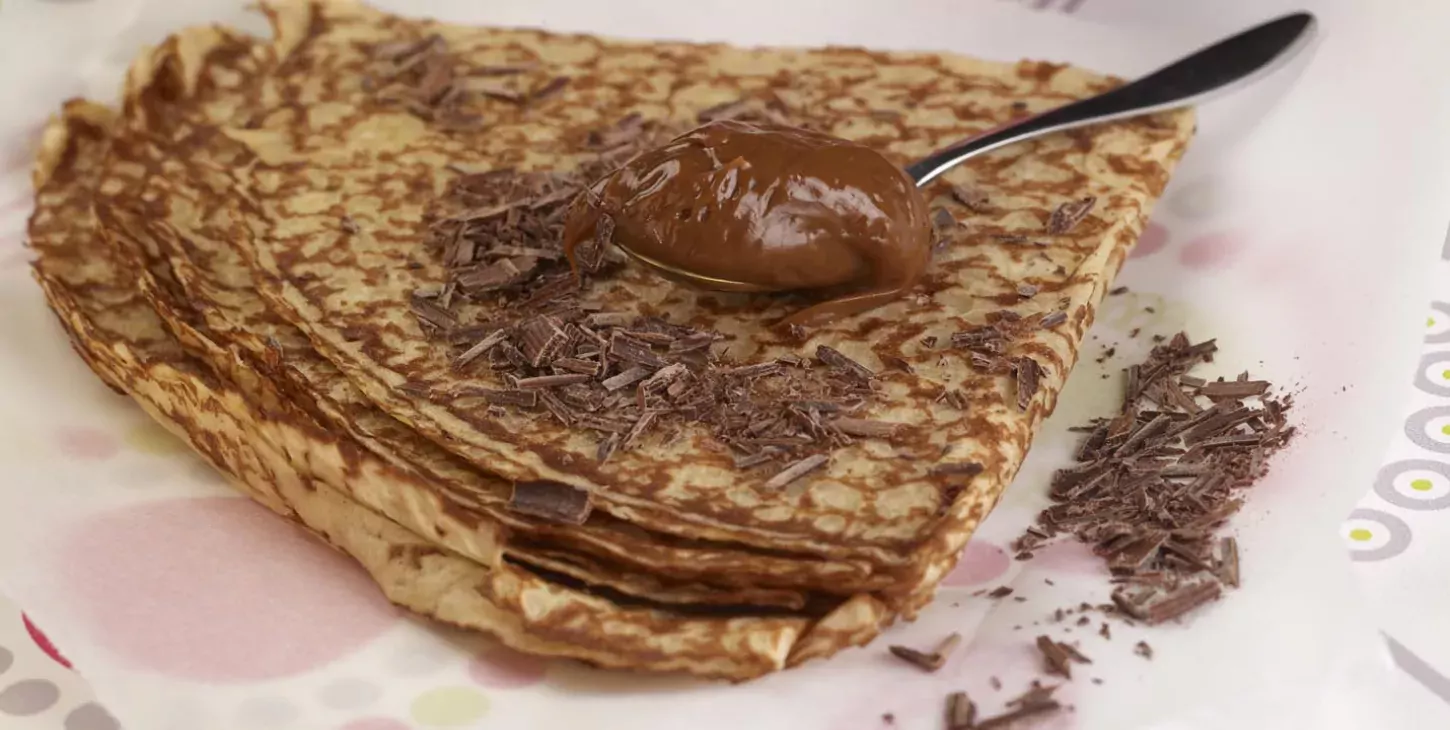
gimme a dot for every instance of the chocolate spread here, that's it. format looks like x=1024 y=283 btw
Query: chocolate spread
x=772 y=207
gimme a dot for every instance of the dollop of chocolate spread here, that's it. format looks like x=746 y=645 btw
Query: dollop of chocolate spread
x=772 y=207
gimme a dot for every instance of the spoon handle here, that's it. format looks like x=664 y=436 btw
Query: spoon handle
x=1181 y=83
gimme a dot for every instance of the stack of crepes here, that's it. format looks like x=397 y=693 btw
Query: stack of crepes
x=329 y=260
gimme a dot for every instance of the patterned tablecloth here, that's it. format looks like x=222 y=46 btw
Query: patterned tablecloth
x=1396 y=535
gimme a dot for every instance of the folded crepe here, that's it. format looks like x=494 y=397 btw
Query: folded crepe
x=330 y=259
x=91 y=287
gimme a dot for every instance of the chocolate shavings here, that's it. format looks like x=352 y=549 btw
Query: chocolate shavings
x=1153 y=483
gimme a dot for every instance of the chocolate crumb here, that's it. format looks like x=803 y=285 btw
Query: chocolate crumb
x=607 y=447
x=1066 y=216
x=1027 y=291
x=974 y=200
x=576 y=365
x=607 y=319
x=1142 y=649
x=431 y=314
x=512 y=397
x=551 y=381
x=1028 y=373
x=833 y=358
x=550 y=88
x=504 y=70
x=1054 y=657
x=1118 y=290
x=541 y=339
x=1228 y=562
x=756 y=459
x=867 y=429
x=1156 y=604
x=629 y=349
x=929 y=661
x=640 y=426
x=1052 y=320
x=1235 y=389
x=480 y=348
x=627 y=378
x=797 y=470
x=961 y=712
x=963 y=469
x=1000 y=592
x=1075 y=653
x=1036 y=702
x=1036 y=694
x=549 y=500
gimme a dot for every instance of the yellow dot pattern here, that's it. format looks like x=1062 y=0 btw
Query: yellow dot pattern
x=1359 y=534
x=1422 y=485
x=449 y=707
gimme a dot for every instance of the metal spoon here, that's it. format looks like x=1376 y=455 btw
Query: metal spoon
x=1211 y=70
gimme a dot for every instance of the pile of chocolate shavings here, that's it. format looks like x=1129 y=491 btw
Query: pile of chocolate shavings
x=432 y=84
x=1153 y=483
x=498 y=233
x=987 y=348
x=625 y=378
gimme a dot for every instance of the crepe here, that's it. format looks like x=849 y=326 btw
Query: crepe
x=245 y=249
x=121 y=337
x=343 y=183
x=168 y=199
